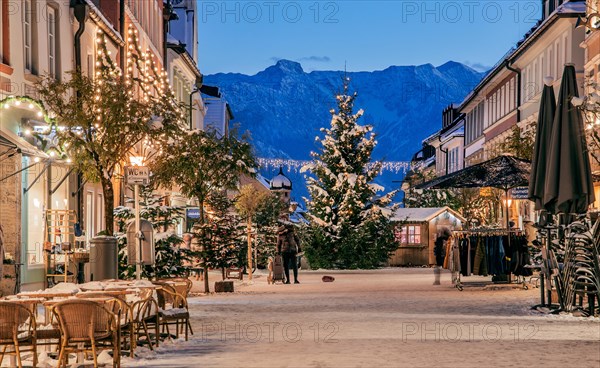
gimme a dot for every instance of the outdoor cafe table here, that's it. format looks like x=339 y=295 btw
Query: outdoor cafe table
x=111 y=292
x=44 y=294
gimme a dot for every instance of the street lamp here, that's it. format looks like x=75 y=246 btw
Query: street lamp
x=137 y=161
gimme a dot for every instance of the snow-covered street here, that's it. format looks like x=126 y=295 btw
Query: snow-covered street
x=382 y=318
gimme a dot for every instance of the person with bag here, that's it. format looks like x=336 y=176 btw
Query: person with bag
x=288 y=245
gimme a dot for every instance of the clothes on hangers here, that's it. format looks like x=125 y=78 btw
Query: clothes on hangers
x=480 y=262
x=520 y=256
x=486 y=253
x=464 y=245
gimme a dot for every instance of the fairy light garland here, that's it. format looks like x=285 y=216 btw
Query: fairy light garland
x=31 y=103
x=152 y=81
x=295 y=165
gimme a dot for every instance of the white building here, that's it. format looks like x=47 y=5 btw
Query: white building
x=36 y=40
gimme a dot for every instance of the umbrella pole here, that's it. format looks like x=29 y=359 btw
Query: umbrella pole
x=549 y=271
x=549 y=223
x=507 y=228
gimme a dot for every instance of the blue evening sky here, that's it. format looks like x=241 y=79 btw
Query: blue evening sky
x=248 y=36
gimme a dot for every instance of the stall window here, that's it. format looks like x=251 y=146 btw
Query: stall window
x=408 y=235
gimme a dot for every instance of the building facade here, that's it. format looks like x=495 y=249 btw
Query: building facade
x=53 y=38
x=591 y=46
x=508 y=96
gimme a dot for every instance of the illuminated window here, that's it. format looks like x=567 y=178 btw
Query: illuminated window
x=408 y=234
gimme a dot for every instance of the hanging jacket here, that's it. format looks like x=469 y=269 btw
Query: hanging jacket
x=480 y=264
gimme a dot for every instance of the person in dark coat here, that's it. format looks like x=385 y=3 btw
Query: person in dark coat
x=439 y=251
x=288 y=245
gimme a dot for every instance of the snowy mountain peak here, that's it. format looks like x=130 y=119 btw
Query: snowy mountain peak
x=287 y=67
x=284 y=107
x=453 y=65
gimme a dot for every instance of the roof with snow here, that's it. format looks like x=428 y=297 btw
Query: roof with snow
x=264 y=181
x=281 y=181
x=423 y=214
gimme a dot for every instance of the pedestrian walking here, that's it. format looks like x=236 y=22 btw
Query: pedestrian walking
x=439 y=251
x=288 y=245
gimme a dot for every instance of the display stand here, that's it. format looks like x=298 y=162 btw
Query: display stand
x=58 y=248
x=456 y=279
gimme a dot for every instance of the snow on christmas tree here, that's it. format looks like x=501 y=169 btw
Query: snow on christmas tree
x=350 y=215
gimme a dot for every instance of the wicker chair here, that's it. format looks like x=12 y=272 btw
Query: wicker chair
x=177 y=314
x=143 y=317
x=90 y=324
x=119 y=307
x=13 y=316
x=182 y=286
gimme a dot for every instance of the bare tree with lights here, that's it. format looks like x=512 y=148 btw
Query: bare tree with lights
x=100 y=122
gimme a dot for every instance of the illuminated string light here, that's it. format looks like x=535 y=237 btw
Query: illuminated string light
x=295 y=165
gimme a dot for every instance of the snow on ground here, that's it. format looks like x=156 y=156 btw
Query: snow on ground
x=383 y=318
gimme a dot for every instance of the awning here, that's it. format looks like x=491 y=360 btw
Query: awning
x=10 y=139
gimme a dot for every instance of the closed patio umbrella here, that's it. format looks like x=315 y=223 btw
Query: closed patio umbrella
x=569 y=187
x=502 y=172
x=546 y=114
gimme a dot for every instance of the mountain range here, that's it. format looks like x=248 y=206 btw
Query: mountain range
x=284 y=107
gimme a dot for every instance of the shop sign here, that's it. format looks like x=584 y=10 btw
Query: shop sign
x=519 y=193
x=137 y=175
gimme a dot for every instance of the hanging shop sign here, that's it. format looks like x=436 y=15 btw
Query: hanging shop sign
x=137 y=175
x=519 y=193
x=193 y=213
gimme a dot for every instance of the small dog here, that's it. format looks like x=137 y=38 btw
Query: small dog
x=270 y=268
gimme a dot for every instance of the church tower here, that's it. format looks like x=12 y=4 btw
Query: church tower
x=282 y=186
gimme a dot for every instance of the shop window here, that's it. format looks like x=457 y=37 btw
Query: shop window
x=34 y=212
x=408 y=234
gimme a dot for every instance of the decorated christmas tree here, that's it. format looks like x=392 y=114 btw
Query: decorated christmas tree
x=350 y=218
x=222 y=231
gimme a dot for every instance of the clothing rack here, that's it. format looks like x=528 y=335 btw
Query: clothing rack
x=487 y=231
x=460 y=234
